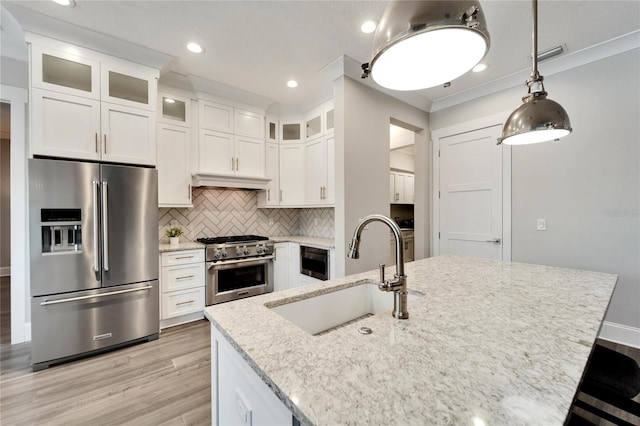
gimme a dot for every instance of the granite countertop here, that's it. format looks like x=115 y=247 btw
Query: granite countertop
x=500 y=342
x=308 y=241
x=189 y=245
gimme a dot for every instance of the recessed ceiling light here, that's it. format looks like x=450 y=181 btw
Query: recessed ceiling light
x=69 y=3
x=195 y=47
x=292 y=83
x=479 y=68
x=368 y=27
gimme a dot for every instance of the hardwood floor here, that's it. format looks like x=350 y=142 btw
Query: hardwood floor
x=163 y=382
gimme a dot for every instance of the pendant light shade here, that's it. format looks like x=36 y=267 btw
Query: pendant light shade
x=538 y=119
x=422 y=44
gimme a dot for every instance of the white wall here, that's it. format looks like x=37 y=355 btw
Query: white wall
x=402 y=161
x=362 y=170
x=586 y=185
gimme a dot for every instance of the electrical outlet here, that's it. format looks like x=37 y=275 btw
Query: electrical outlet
x=542 y=224
x=270 y=221
x=315 y=221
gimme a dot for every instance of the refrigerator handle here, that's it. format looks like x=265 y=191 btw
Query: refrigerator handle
x=105 y=228
x=96 y=266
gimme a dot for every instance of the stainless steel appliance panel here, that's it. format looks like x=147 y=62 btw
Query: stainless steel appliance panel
x=238 y=279
x=73 y=323
x=129 y=198
x=58 y=186
x=314 y=262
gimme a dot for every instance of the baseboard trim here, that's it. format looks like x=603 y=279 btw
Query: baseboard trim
x=619 y=333
x=5 y=271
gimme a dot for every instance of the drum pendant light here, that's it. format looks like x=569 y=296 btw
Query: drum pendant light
x=421 y=44
x=538 y=119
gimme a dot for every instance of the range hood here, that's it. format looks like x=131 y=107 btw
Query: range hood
x=229 y=181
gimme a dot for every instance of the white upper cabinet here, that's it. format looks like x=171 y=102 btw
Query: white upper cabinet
x=174 y=171
x=174 y=140
x=328 y=117
x=271 y=196
x=313 y=123
x=214 y=116
x=291 y=175
x=247 y=123
x=88 y=105
x=271 y=129
x=319 y=171
x=231 y=140
x=291 y=130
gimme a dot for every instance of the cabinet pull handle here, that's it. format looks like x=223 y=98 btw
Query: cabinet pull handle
x=237 y=164
x=184 y=257
x=105 y=143
x=281 y=195
x=186 y=277
x=189 y=191
x=268 y=195
x=186 y=302
x=232 y=164
x=321 y=193
x=96 y=143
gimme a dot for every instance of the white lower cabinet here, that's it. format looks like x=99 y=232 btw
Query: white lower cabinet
x=238 y=394
x=286 y=266
x=182 y=287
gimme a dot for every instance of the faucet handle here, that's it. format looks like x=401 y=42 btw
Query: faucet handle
x=382 y=272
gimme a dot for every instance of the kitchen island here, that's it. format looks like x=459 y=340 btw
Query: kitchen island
x=489 y=342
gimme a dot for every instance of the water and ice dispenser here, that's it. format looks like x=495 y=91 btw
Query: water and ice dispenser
x=61 y=230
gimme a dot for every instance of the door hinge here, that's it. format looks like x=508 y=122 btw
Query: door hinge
x=438 y=235
x=438 y=153
x=438 y=194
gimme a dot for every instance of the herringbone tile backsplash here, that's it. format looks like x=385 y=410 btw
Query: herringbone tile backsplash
x=218 y=212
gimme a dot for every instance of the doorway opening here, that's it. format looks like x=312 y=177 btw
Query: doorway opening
x=5 y=223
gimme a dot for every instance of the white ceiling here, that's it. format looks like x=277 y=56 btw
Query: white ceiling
x=257 y=46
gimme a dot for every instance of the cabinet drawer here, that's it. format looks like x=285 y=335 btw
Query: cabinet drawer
x=180 y=277
x=182 y=302
x=182 y=257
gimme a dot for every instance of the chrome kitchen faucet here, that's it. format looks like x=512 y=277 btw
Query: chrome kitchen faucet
x=399 y=282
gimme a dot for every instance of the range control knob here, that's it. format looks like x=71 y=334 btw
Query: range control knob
x=224 y=253
x=216 y=254
x=246 y=251
x=239 y=251
x=260 y=249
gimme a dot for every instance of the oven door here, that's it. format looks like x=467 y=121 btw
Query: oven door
x=238 y=279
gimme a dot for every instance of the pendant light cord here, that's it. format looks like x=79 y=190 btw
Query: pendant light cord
x=534 y=42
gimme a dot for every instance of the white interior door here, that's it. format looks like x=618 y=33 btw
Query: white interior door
x=471 y=194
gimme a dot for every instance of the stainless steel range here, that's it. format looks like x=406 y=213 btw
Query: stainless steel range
x=237 y=267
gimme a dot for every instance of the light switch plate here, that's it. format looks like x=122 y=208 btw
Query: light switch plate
x=270 y=221
x=542 y=224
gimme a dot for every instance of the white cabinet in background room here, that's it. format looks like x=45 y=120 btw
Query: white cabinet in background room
x=182 y=285
x=91 y=106
x=271 y=196
x=401 y=188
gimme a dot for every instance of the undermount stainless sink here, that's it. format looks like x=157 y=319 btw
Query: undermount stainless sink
x=319 y=314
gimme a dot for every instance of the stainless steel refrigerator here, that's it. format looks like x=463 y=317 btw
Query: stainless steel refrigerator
x=93 y=258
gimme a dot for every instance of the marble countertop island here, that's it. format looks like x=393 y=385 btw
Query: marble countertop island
x=490 y=342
